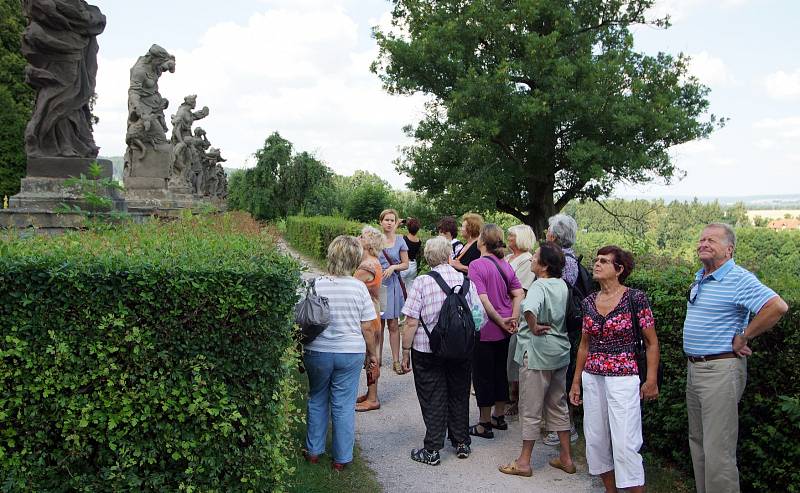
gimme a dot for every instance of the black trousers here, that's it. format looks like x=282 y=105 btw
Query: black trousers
x=443 y=393
x=489 y=372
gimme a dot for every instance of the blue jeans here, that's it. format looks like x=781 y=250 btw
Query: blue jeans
x=332 y=388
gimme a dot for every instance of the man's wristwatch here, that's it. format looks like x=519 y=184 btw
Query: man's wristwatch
x=406 y=349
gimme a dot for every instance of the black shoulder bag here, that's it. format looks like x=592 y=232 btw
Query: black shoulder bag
x=639 y=346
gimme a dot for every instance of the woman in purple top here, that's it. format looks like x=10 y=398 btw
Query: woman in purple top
x=501 y=295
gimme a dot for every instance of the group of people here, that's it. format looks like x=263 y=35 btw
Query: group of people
x=525 y=361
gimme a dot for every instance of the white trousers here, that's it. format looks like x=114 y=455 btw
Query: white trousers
x=612 y=426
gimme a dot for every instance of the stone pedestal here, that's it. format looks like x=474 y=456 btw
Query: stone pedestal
x=43 y=188
x=146 y=186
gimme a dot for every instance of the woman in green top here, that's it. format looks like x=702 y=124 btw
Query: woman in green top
x=543 y=355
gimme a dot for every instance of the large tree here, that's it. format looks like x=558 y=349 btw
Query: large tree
x=16 y=98
x=534 y=103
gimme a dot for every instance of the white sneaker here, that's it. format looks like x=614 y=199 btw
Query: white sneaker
x=552 y=438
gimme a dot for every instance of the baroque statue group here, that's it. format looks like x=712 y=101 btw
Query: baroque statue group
x=60 y=46
x=194 y=166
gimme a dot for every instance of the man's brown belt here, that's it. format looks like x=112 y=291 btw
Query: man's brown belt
x=711 y=357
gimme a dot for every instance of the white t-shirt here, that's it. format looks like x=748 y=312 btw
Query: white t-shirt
x=350 y=304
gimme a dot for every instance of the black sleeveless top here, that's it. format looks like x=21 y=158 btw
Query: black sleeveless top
x=413 y=248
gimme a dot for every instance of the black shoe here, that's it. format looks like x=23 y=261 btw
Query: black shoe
x=463 y=451
x=430 y=457
x=499 y=423
x=486 y=433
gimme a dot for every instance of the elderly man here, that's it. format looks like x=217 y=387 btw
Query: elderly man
x=716 y=332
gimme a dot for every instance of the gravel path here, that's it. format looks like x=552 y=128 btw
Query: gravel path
x=387 y=436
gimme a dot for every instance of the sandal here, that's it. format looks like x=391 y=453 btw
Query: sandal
x=398 y=368
x=361 y=398
x=558 y=465
x=499 y=422
x=486 y=433
x=367 y=406
x=512 y=409
x=514 y=470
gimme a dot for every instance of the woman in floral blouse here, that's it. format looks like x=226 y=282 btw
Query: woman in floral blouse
x=607 y=368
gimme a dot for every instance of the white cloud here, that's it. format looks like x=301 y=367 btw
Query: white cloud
x=694 y=147
x=298 y=68
x=777 y=123
x=782 y=85
x=711 y=70
x=678 y=10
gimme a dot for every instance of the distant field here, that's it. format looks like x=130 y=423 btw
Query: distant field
x=772 y=213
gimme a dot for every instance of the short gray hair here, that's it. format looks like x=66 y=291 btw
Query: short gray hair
x=526 y=238
x=373 y=238
x=344 y=255
x=730 y=234
x=564 y=229
x=437 y=251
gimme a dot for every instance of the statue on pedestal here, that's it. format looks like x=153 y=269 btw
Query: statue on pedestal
x=60 y=45
x=197 y=175
x=184 y=118
x=148 y=154
x=213 y=158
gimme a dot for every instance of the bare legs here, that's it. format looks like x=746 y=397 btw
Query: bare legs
x=610 y=482
x=394 y=338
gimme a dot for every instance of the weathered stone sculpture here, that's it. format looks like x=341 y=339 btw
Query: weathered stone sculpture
x=213 y=158
x=222 y=183
x=60 y=46
x=197 y=176
x=184 y=118
x=184 y=154
x=149 y=153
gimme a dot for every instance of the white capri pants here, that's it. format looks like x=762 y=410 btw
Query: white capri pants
x=612 y=426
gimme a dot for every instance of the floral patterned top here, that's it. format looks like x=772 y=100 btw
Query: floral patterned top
x=611 y=339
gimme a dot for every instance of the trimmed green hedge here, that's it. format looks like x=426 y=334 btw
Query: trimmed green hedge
x=152 y=357
x=312 y=235
x=769 y=423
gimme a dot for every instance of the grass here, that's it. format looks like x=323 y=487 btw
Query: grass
x=321 y=478
x=660 y=477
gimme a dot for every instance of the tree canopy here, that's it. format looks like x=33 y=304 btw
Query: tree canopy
x=536 y=103
x=16 y=98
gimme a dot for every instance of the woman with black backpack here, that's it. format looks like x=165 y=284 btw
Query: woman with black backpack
x=442 y=382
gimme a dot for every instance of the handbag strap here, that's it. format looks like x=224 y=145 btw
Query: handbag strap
x=502 y=274
x=311 y=288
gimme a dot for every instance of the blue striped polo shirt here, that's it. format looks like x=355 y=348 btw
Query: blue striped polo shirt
x=721 y=309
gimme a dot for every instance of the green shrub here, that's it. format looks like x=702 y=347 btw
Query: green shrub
x=153 y=357
x=312 y=235
x=769 y=416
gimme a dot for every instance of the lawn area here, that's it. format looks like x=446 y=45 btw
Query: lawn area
x=321 y=478
x=660 y=478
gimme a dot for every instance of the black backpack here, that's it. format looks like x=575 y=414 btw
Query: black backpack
x=584 y=286
x=453 y=337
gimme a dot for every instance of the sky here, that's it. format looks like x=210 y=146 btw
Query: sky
x=301 y=67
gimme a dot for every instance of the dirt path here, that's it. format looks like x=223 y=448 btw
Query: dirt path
x=387 y=436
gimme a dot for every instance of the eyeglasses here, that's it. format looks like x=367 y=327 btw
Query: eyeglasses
x=694 y=289
x=603 y=260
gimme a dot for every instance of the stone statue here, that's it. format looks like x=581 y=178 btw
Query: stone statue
x=183 y=120
x=213 y=158
x=185 y=153
x=222 y=183
x=200 y=146
x=147 y=127
x=60 y=45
